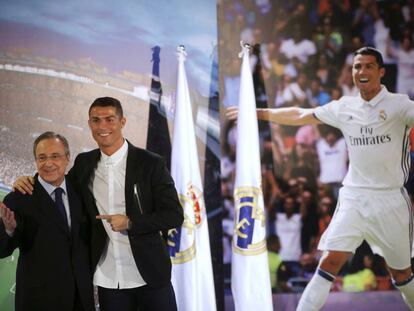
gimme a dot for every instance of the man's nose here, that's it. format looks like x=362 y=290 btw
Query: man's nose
x=362 y=70
x=102 y=124
x=48 y=162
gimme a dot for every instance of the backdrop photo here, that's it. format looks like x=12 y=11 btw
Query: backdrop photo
x=301 y=56
x=56 y=57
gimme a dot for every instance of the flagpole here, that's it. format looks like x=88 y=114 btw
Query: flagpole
x=250 y=270
x=189 y=246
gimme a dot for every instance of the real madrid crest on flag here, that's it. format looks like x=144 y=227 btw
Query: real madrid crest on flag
x=181 y=241
x=249 y=227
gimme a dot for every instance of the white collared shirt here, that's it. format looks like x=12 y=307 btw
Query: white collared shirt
x=50 y=189
x=117 y=267
x=377 y=137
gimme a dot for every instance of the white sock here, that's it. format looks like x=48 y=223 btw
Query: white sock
x=316 y=292
x=407 y=290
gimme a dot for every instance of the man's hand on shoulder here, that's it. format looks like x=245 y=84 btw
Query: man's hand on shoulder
x=24 y=184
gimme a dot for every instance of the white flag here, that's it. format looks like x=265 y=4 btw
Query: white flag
x=250 y=280
x=192 y=273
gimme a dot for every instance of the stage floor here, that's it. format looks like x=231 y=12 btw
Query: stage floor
x=340 y=301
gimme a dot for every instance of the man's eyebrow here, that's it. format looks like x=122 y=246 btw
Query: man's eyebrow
x=103 y=117
x=370 y=63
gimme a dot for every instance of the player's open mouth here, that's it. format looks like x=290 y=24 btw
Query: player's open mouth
x=363 y=80
x=104 y=134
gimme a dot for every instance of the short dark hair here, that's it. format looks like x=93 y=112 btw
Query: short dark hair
x=51 y=135
x=371 y=51
x=108 y=102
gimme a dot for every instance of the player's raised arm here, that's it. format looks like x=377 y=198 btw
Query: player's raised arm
x=286 y=116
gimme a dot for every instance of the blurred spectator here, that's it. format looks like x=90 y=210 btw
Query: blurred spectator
x=316 y=95
x=363 y=280
x=297 y=46
x=346 y=83
x=333 y=159
x=337 y=10
x=328 y=40
x=232 y=83
x=381 y=41
x=325 y=211
x=306 y=135
x=288 y=228
x=308 y=210
x=357 y=42
x=363 y=20
x=292 y=93
x=325 y=72
x=405 y=60
x=275 y=261
x=271 y=190
x=336 y=93
x=305 y=166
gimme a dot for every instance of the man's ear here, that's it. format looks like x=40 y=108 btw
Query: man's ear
x=382 y=72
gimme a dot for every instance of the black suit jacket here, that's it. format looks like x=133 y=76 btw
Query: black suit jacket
x=53 y=260
x=160 y=210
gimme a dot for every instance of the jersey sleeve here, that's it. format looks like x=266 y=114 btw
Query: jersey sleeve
x=408 y=111
x=329 y=113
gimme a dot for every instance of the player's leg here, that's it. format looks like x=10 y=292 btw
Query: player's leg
x=339 y=242
x=391 y=237
x=404 y=281
x=317 y=291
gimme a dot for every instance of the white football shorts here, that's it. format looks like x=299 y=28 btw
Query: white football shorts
x=383 y=218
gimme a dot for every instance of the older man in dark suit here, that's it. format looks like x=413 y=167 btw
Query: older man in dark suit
x=52 y=234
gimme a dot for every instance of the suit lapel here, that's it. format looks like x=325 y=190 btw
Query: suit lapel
x=133 y=171
x=75 y=209
x=88 y=171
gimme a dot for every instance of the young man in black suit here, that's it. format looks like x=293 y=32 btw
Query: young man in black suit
x=52 y=234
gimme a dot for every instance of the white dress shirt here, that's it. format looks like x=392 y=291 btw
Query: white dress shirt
x=50 y=189
x=116 y=267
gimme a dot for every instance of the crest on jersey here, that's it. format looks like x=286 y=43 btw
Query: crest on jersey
x=181 y=241
x=249 y=222
x=382 y=116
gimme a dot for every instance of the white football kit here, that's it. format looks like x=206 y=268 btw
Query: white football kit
x=373 y=204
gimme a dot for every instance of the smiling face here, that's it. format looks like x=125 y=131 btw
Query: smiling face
x=106 y=127
x=367 y=75
x=51 y=160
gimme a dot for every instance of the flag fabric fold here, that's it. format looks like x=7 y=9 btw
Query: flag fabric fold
x=158 y=137
x=189 y=246
x=250 y=279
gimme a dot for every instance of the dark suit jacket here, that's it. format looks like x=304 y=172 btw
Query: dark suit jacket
x=161 y=210
x=53 y=261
